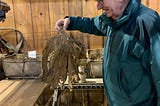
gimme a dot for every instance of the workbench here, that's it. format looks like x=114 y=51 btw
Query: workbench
x=20 y=92
x=89 y=93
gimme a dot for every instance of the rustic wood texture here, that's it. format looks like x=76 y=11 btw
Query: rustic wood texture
x=36 y=19
x=20 y=92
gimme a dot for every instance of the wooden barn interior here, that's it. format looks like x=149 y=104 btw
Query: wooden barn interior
x=36 y=19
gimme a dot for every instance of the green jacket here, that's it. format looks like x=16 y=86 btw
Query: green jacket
x=131 y=61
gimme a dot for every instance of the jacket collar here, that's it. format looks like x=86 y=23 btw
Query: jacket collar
x=132 y=7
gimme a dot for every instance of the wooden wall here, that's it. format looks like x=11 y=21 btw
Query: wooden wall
x=36 y=19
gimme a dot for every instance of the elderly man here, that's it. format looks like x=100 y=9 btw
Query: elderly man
x=131 y=61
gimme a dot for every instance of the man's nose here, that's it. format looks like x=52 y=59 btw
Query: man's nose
x=99 y=5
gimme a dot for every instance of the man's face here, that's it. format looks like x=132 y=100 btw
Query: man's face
x=112 y=8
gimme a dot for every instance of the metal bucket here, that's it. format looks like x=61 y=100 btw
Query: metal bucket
x=96 y=69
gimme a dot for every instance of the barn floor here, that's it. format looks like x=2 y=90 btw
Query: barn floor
x=20 y=92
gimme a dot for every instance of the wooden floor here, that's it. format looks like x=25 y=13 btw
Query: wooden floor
x=20 y=92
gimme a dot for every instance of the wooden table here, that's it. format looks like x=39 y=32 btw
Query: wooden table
x=20 y=92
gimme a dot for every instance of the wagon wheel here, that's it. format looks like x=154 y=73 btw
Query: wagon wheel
x=8 y=46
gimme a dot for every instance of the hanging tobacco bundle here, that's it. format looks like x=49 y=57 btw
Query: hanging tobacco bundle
x=62 y=52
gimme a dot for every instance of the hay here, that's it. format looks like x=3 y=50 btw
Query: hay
x=62 y=52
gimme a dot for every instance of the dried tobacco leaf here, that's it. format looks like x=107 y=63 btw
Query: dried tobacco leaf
x=59 y=60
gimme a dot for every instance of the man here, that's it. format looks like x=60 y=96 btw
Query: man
x=131 y=61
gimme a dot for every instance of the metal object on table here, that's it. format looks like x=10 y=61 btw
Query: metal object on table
x=91 y=83
x=86 y=86
x=55 y=97
x=81 y=94
x=96 y=69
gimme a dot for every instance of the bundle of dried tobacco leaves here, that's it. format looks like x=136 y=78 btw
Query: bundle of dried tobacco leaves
x=62 y=52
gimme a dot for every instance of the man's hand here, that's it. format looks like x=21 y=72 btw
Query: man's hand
x=62 y=24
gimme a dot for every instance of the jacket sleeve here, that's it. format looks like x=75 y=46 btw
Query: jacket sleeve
x=155 y=51
x=149 y=30
x=155 y=63
x=86 y=25
x=154 y=34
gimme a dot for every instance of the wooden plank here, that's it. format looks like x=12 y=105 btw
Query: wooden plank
x=20 y=92
x=40 y=42
x=58 y=9
x=96 y=42
x=23 y=19
x=22 y=14
x=7 y=87
x=158 y=6
x=90 y=10
x=75 y=9
x=145 y=2
x=41 y=22
x=153 y=4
